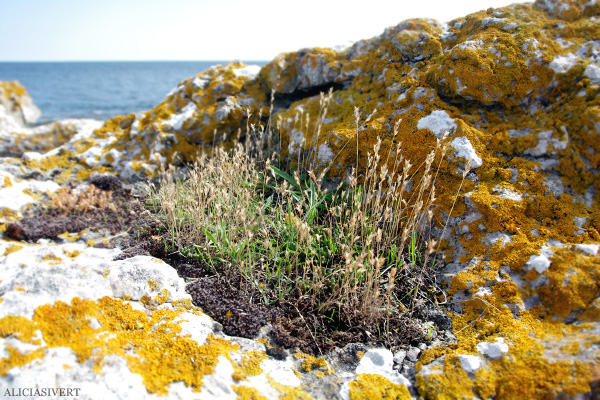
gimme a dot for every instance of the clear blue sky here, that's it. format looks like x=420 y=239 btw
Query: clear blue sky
x=78 y=30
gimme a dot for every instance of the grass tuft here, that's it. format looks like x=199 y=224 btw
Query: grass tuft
x=355 y=256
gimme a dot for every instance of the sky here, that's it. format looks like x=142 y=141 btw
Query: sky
x=122 y=30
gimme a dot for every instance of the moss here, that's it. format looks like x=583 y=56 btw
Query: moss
x=372 y=386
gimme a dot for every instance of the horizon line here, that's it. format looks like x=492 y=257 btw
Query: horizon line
x=83 y=61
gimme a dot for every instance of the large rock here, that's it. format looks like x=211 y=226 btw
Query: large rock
x=16 y=107
x=17 y=113
x=516 y=89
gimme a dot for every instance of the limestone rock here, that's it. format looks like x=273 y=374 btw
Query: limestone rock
x=16 y=107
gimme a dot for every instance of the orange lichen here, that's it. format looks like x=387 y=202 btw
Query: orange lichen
x=573 y=283
x=525 y=371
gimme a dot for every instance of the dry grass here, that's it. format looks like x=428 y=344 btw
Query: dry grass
x=80 y=201
x=340 y=252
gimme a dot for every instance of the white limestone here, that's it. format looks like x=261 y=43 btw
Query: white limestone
x=177 y=120
x=469 y=363
x=540 y=263
x=464 y=149
x=249 y=71
x=589 y=249
x=438 y=122
x=493 y=350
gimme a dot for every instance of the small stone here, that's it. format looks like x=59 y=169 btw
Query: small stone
x=277 y=353
x=493 y=350
x=31 y=155
x=399 y=357
x=470 y=363
x=465 y=149
x=539 y=263
x=590 y=249
x=413 y=354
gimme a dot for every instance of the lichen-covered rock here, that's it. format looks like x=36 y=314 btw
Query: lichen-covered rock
x=516 y=89
x=17 y=112
x=16 y=107
x=71 y=317
x=44 y=138
x=203 y=111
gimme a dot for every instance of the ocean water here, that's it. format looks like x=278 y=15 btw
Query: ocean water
x=100 y=90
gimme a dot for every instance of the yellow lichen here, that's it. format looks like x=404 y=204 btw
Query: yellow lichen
x=18 y=327
x=72 y=254
x=149 y=342
x=51 y=257
x=17 y=359
x=249 y=365
x=289 y=392
x=11 y=249
x=247 y=393
x=310 y=362
x=7 y=182
x=375 y=387
x=71 y=237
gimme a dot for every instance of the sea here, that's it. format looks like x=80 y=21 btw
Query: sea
x=100 y=90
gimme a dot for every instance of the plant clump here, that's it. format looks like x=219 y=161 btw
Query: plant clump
x=70 y=201
x=345 y=262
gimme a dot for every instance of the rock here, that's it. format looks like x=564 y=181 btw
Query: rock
x=493 y=350
x=470 y=363
x=376 y=366
x=413 y=354
x=399 y=357
x=16 y=107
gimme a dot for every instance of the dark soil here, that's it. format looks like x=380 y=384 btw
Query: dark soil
x=48 y=223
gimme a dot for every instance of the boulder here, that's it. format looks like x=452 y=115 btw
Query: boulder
x=16 y=107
